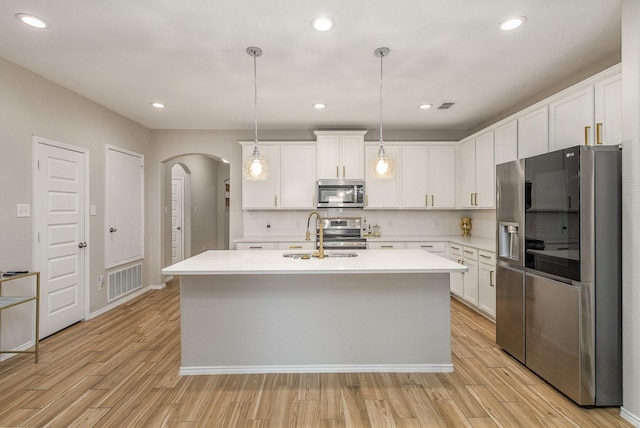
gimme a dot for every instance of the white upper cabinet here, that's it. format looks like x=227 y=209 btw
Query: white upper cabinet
x=571 y=120
x=292 y=177
x=262 y=194
x=485 y=171
x=477 y=172
x=533 y=133
x=609 y=110
x=428 y=176
x=340 y=155
x=506 y=139
x=298 y=176
x=589 y=115
x=383 y=193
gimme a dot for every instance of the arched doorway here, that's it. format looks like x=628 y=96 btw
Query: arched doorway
x=204 y=217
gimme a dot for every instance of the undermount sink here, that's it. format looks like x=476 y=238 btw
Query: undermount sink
x=306 y=256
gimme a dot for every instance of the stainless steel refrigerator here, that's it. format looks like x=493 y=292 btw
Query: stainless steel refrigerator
x=558 y=279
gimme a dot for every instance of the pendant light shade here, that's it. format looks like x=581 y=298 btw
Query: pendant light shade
x=256 y=166
x=381 y=166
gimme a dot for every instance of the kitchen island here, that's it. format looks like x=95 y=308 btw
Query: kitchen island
x=260 y=312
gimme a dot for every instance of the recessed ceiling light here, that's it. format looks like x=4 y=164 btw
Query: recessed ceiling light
x=322 y=23
x=512 y=23
x=31 y=20
x=319 y=106
x=425 y=106
x=157 y=105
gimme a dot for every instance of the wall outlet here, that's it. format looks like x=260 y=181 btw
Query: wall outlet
x=268 y=226
x=23 y=210
x=101 y=282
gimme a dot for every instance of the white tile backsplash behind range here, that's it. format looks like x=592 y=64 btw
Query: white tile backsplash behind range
x=392 y=222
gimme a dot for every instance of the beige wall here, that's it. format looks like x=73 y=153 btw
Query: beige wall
x=31 y=105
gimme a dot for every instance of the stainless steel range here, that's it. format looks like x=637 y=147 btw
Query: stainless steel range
x=342 y=233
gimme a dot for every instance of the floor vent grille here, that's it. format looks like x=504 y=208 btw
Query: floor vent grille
x=124 y=281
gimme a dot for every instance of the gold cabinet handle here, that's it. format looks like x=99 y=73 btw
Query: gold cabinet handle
x=337 y=171
x=491 y=284
x=344 y=171
x=386 y=246
x=431 y=200
x=476 y=199
x=471 y=199
x=468 y=252
x=426 y=200
x=426 y=246
x=587 y=129
x=455 y=248
x=484 y=257
x=598 y=133
x=366 y=200
x=295 y=246
x=275 y=200
x=257 y=247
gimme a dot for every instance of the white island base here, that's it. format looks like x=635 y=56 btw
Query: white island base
x=328 y=319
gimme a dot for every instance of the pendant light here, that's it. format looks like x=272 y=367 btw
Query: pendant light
x=255 y=167
x=381 y=166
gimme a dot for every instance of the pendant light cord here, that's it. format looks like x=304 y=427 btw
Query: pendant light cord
x=255 y=107
x=381 y=139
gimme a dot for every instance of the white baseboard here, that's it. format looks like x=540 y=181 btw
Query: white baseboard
x=630 y=417
x=119 y=302
x=7 y=354
x=356 y=368
x=158 y=287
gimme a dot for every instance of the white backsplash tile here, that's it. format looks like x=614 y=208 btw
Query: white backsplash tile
x=392 y=222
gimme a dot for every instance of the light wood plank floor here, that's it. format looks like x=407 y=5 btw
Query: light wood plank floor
x=121 y=370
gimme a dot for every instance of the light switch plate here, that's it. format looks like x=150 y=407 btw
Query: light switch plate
x=93 y=210
x=23 y=210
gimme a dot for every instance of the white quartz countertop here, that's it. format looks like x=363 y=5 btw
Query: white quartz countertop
x=472 y=241
x=230 y=262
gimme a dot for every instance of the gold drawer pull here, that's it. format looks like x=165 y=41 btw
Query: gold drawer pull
x=598 y=133
x=587 y=129
x=295 y=246
x=485 y=257
x=491 y=279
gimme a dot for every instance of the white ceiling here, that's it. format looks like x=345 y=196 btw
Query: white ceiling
x=191 y=55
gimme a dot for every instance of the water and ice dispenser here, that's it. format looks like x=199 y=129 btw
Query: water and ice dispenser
x=509 y=242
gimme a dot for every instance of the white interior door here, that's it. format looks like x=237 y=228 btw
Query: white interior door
x=61 y=235
x=177 y=223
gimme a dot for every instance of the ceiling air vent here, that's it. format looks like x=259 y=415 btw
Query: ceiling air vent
x=445 y=106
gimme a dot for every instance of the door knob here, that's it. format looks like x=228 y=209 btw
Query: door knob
x=82 y=244
x=113 y=229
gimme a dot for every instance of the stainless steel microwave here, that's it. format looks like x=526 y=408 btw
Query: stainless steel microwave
x=340 y=194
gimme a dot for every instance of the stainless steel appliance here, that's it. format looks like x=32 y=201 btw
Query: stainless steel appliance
x=342 y=233
x=558 y=284
x=340 y=194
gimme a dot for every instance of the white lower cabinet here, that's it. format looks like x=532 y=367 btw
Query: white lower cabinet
x=433 y=247
x=385 y=245
x=487 y=283
x=303 y=245
x=476 y=287
x=471 y=276
x=456 y=279
x=256 y=246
